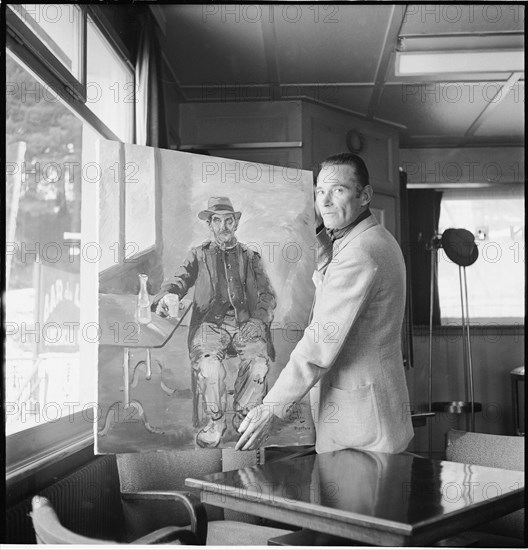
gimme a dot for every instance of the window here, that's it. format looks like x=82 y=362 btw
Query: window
x=110 y=87
x=55 y=34
x=50 y=159
x=44 y=142
x=495 y=282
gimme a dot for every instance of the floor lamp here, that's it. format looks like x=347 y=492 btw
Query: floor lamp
x=459 y=246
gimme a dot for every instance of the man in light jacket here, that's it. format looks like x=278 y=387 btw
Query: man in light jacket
x=349 y=357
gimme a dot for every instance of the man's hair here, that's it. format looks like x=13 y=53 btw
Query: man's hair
x=354 y=161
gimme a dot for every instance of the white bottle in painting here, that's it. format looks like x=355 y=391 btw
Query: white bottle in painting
x=143 y=313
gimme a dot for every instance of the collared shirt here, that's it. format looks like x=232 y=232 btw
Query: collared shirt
x=336 y=234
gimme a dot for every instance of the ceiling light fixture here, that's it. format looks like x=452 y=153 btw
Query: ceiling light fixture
x=483 y=61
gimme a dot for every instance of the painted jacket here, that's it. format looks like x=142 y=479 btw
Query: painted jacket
x=199 y=269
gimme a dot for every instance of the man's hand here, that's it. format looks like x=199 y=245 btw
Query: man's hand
x=168 y=306
x=255 y=428
x=253 y=329
x=260 y=371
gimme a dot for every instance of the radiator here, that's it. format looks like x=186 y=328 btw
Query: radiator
x=87 y=502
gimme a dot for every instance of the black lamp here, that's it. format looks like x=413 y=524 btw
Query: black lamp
x=459 y=246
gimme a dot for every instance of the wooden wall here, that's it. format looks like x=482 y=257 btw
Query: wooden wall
x=265 y=131
x=495 y=352
x=493 y=165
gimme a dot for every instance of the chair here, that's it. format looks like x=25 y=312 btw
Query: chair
x=49 y=530
x=157 y=470
x=146 y=507
x=495 y=451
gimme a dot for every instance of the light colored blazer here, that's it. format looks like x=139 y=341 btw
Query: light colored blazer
x=350 y=355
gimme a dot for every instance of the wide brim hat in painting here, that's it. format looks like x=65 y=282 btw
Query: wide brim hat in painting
x=219 y=205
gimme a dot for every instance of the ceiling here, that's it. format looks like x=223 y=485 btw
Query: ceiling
x=344 y=56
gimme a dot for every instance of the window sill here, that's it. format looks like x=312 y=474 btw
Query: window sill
x=476 y=329
x=36 y=448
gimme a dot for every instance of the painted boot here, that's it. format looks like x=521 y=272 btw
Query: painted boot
x=211 y=435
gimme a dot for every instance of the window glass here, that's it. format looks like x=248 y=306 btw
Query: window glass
x=59 y=27
x=43 y=215
x=110 y=85
x=495 y=282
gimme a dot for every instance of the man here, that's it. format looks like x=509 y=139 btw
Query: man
x=350 y=356
x=232 y=311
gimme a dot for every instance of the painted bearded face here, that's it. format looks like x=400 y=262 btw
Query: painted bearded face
x=223 y=227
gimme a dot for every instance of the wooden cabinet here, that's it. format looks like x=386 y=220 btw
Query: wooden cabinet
x=228 y=123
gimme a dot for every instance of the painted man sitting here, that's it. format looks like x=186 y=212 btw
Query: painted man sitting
x=232 y=310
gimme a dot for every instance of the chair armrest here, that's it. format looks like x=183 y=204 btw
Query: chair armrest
x=192 y=503
x=49 y=530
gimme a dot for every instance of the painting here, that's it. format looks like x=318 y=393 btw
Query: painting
x=184 y=356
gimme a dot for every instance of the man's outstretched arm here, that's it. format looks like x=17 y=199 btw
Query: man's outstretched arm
x=349 y=285
x=181 y=281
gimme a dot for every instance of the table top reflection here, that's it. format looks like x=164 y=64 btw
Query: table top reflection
x=376 y=498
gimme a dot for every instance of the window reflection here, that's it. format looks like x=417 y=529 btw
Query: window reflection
x=43 y=207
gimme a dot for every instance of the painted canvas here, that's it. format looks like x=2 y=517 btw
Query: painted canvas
x=204 y=290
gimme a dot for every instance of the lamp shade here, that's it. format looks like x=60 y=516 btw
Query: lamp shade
x=460 y=247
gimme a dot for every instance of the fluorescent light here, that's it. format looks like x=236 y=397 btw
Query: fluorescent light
x=484 y=61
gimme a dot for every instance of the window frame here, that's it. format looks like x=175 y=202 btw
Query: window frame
x=31 y=450
x=95 y=18
x=43 y=73
x=113 y=40
x=22 y=33
x=50 y=442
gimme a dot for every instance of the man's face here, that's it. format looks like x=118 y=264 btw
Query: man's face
x=223 y=227
x=339 y=197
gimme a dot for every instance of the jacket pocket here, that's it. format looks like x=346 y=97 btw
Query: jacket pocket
x=350 y=418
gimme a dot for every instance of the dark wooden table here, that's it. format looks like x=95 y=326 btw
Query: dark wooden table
x=375 y=498
x=118 y=327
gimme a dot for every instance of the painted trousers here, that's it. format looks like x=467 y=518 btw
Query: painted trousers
x=208 y=351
